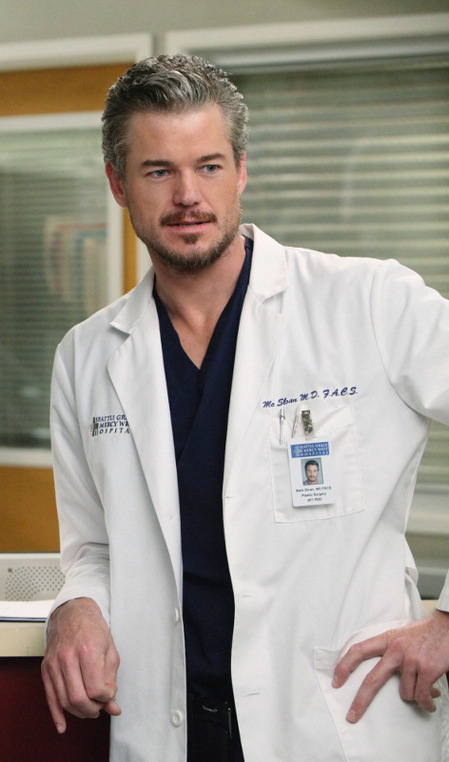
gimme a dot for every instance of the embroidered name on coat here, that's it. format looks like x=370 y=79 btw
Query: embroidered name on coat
x=345 y=391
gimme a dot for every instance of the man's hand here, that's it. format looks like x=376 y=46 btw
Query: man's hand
x=81 y=662
x=418 y=651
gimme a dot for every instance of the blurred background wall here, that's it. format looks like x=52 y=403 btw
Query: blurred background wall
x=25 y=20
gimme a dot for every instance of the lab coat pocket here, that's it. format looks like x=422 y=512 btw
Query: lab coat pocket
x=391 y=729
x=337 y=427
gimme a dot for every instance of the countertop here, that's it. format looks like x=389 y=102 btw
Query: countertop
x=22 y=638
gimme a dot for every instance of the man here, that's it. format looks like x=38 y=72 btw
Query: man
x=312 y=472
x=260 y=629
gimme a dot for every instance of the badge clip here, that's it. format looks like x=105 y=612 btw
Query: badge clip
x=306 y=419
x=281 y=425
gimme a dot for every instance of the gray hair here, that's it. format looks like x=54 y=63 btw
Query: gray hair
x=170 y=84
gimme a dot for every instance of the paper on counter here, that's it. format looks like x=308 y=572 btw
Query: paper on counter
x=25 y=611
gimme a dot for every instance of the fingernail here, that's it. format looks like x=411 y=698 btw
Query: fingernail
x=351 y=716
x=60 y=728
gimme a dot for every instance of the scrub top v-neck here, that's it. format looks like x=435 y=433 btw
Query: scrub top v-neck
x=199 y=405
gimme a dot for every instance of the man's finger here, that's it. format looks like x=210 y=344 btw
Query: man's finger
x=71 y=691
x=112 y=708
x=425 y=693
x=56 y=710
x=408 y=685
x=100 y=674
x=366 y=649
x=370 y=686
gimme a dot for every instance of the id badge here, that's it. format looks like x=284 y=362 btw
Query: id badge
x=311 y=473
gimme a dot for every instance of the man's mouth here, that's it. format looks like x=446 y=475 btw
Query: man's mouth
x=187 y=224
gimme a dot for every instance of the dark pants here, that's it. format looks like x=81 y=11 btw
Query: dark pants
x=212 y=731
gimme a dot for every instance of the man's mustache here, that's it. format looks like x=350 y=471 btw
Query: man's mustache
x=179 y=218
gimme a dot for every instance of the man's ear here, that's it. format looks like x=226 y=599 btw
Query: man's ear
x=116 y=184
x=241 y=170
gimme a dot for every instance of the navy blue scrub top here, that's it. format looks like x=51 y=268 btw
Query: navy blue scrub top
x=199 y=405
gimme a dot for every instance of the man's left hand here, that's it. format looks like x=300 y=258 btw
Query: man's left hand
x=418 y=651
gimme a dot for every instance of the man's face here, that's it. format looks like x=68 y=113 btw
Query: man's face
x=312 y=474
x=182 y=186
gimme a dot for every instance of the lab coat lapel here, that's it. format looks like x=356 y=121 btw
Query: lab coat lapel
x=137 y=373
x=260 y=331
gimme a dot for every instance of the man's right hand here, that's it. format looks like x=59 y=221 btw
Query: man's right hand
x=81 y=662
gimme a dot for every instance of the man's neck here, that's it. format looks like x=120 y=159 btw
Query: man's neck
x=195 y=301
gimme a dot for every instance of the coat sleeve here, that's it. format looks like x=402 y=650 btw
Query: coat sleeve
x=411 y=322
x=412 y=328
x=83 y=534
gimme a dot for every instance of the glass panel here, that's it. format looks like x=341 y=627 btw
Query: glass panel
x=53 y=268
x=354 y=160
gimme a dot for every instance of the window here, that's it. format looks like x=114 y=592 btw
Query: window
x=54 y=269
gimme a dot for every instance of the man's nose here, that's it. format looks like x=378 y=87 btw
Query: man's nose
x=186 y=191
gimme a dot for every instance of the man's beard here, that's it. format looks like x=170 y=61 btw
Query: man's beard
x=196 y=260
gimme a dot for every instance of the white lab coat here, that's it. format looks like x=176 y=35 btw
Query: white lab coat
x=363 y=345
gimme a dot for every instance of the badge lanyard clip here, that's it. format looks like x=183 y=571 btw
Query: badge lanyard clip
x=281 y=425
x=306 y=420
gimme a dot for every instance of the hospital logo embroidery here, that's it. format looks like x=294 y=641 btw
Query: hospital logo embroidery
x=105 y=425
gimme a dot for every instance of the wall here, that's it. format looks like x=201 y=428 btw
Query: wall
x=22 y=20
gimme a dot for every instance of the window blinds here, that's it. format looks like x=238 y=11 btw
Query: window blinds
x=354 y=159
x=52 y=264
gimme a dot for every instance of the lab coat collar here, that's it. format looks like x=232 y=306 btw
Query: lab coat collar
x=135 y=304
x=137 y=373
x=268 y=269
x=262 y=326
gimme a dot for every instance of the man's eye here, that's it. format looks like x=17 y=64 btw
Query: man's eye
x=210 y=168
x=158 y=173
